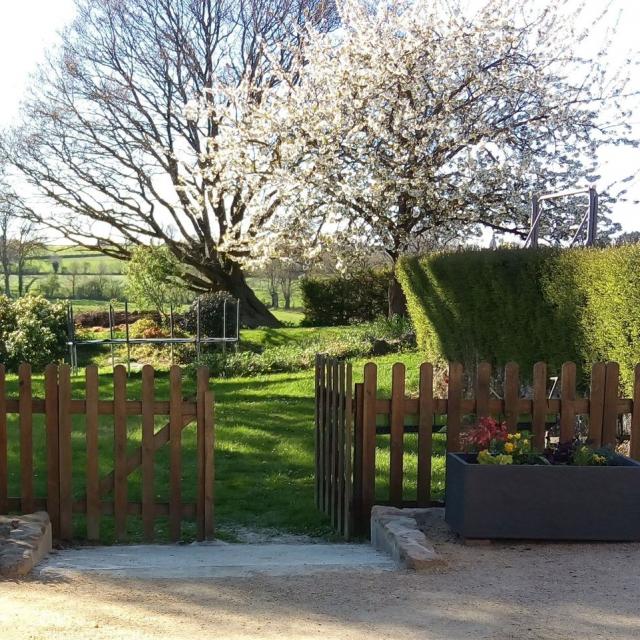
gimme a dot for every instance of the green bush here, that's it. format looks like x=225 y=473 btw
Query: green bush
x=211 y=314
x=32 y=330
x=549 y=305
x=339 y=300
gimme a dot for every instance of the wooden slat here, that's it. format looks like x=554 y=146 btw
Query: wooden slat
x=425 y=434
x=65 y=452
x=335 y=393
x=327 y=437
x=26 y=438
x=317 y=442
x=454 y=399
x=209 y=465
x=93 y=456
x=357 y=456
x=511 y=395
x=322 y=419
x=120 y=451
x=396 y=446
x=610 y=411
x=540 y=407
x=175 y=452
x=370 y=390
x=148 y=475
x=202 y=386
x=483 y=380
x=567 y=402
x=348 y=452
x=340 y=447
x=4 y=460
x=634 y=446
x=53 y=451
x=596 y=403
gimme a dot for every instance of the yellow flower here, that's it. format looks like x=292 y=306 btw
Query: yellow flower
x=517 y=436
x=509 y=447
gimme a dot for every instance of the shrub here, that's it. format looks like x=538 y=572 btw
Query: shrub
x=99 y=288
x=211 y=314
x=146 y=328
x=32 y=330
x=339 y=300
x=552 y=305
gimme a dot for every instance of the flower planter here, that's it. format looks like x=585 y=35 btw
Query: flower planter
x=556 y=502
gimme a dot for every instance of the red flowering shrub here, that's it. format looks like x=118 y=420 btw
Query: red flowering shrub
x=481 y=435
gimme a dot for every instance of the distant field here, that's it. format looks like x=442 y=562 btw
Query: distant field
x=89 y=263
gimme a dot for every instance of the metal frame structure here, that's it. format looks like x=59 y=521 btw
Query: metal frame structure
x=589 y=219
x=198 y=340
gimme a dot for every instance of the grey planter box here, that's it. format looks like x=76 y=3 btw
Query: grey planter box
x=543 y=502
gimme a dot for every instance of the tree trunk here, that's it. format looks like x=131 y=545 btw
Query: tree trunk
x=275 y=303
x=397 y=300
x=287 y=301
x=253 y=312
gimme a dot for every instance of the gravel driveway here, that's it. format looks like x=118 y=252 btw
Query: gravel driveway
x=501 y=591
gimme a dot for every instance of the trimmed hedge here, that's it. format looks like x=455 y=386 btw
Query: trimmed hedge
x=549 y=305
x=339 y=300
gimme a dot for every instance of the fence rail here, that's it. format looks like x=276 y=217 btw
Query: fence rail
x=107 y=494
x=360 y=426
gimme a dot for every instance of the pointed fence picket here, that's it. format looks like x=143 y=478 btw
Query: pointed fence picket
x=350 y=419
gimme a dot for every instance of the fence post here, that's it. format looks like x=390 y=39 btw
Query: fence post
x=511 y=395
x=567 y=402
x=175 y=453
x=148 y=472
x=93 y=473
x=4 y=473
x=120 y=490
x=540 y=404
x=202 y=386
x=369 y=440
x=348 y=452
x=396 y=445
x=209 y=465
x=483 y=380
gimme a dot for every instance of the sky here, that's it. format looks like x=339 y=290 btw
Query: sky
x=29 y=27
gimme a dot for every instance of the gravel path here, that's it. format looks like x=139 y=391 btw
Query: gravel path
x=523 y=591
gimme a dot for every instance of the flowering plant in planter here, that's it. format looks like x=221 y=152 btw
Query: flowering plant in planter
x=492 y=444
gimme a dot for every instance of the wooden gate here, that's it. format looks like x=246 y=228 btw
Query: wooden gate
x=333 y=445
x=107 y=494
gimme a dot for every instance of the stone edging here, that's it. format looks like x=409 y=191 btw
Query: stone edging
x=24 y=541
x=395 y=532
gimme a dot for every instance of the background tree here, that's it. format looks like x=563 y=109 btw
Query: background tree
x=423 y=120
x=153 y=279
x=122 y=130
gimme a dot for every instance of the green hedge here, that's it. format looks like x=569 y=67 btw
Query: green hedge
x=338 y=300
x=527 y=305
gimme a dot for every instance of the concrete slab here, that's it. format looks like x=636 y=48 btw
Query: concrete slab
x=214 y=560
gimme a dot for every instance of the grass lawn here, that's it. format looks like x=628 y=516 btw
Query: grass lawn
x=264 y=451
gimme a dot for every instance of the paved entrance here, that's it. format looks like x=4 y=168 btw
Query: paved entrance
x=213 y=560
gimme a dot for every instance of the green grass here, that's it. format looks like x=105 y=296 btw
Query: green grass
x=264 y=451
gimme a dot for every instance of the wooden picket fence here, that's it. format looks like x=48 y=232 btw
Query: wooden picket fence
x=348 y=421
x=107 y=494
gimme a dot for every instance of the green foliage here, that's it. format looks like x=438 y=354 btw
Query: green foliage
x=339 y=300
x=50 y=286
x=152 y=279
x=212 y=314
x=99 y=288
x=31 y=330
x=146 y=328
x=299 y=354
x=549 y=305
